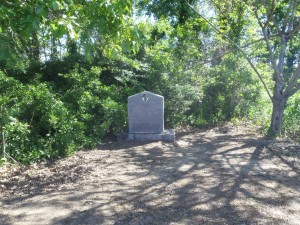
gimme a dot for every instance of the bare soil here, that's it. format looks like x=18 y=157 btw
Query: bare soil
x=223 y=175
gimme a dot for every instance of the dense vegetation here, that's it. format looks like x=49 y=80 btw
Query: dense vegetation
x=68 y=66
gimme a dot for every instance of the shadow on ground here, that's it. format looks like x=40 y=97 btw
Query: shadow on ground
x=5 y=220
x=204 y=178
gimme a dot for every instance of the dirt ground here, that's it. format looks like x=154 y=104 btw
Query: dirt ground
x=223 y=175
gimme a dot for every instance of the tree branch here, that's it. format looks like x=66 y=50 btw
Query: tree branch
x=3 y=143
x=266 y=38
x=287 y=17
x=233 y=50
x=286 y=33
x=295 y=30
x=238 y=47
x=293 y=81
x=293 y=91
x=258 y=40
x=271 y=17
x=282 y=55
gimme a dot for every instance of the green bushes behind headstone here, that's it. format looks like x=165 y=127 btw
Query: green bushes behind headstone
x=51 y=109
x=50 y=119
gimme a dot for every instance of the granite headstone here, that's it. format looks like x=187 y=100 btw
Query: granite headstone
x=146 y=119
x=146 y=113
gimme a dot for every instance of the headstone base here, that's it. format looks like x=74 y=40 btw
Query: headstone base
x=167 y=136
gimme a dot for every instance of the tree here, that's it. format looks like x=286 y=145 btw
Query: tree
x=177 y=11
x=279 y=23
x=28 y=26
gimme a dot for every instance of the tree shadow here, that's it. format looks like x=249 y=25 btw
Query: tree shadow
x=90 y=217
x=221 y=179
x=5 y=220
x=231 y=181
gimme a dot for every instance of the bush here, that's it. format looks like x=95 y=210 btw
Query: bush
x=44 y=121
x=230 y=91
x=291 y=120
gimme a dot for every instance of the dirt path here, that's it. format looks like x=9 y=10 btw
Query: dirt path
x=225 y=175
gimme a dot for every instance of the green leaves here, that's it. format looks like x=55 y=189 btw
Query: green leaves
x=40 y=9
x=56 y=5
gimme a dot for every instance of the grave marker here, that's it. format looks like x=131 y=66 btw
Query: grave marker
x=146 y=113
x=146 y=119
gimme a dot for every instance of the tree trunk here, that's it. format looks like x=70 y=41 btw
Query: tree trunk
x=279 y=102
x=3 y=144
x=54 y=54
x=277 y=116
x=35 y=47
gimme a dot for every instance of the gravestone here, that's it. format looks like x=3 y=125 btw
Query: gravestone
x=146 y=119
x=146 y=113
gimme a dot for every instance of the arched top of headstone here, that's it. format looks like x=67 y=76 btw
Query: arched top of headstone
x=145 y=96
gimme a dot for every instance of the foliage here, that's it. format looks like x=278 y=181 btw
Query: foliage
x=46 y=123
x=68 y=66
x=292 y=117
x=279 y=26
x=36 y=29
x=176 y=11
x=229 y=92
x=231 y=18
